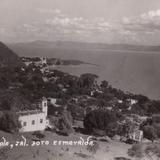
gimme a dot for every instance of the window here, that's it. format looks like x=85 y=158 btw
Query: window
x=24 y=123
x=45 y=104
x=33 y=122
x=41 y=120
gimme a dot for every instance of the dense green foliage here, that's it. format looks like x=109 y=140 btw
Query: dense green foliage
x=9 y=122
x=101 y=120
x=151 y=127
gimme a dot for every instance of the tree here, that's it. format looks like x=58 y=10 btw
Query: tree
x=100 y=120
x=113 y=129
x=87 y=80
x=104 y=84
x=9 y=122
x=156 y=118
x=65 y=123
x=141 y=98
x=93 y=148
x=150 y=132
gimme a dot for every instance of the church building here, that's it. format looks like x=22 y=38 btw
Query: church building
x=34 y=120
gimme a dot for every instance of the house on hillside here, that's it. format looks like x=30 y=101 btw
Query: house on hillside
x=34 y=120
x=132 y=101
x=43 y=60
x=52 y=101
x=136 y=135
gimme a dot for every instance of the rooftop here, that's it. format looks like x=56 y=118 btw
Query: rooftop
x=29 y=112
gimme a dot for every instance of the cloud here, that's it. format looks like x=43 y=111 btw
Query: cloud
x=74 y=28
x=144 y=29
x=48 y=11
x=151 y=14
x=146 y=23
x=66 y=21
x=125 y=20
x=29 y=28
x=57 y=11
x=5 y=32
x=54 y=24
x=79 y=24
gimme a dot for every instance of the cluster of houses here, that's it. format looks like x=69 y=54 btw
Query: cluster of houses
x=42 y=61
x=37 y=120
x=37 y=61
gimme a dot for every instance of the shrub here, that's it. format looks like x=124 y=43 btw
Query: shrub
x=54 y=121
x=153 y=150
x=156 y=118
x=121 y=158
x=112 y=129
x=93 y=148
x=157 y=128
x=4 y=153
x=38 y=134
x=99 y=132
x=82 y=155
x=136 y=151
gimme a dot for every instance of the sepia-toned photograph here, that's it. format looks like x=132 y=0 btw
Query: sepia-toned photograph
x=79 y=79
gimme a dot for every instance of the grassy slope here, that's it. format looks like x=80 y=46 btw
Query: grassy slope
x=107 y=150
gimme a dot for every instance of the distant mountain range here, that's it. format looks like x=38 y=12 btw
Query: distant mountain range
x=8 y=57
x=28 y=47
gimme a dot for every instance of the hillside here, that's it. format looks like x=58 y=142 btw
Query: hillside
x=128 y=67
x=8 y=57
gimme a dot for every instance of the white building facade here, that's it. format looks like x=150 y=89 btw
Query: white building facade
x=34 y=120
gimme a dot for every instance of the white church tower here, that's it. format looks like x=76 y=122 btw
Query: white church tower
x=44 y=105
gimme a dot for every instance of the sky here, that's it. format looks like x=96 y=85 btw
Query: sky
x=102 y=21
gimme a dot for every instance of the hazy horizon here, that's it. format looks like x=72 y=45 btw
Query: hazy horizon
x=78 y=41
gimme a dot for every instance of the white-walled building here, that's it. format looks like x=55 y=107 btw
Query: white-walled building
x=43 y=60
x=132 y=101
x=53 y=101
x=34 y=120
